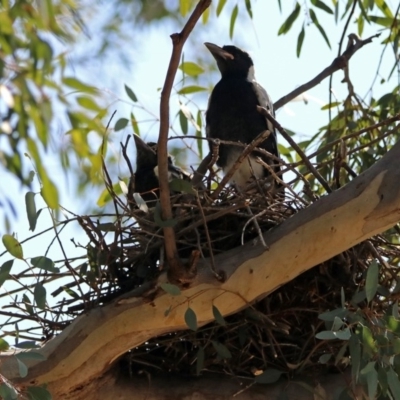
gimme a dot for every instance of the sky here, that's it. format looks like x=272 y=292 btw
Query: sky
x=277 y=69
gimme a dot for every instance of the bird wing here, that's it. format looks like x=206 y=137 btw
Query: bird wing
x=264 y=101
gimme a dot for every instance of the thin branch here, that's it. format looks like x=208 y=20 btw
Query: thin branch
x=294 y=145
x=176 y=268
x=337 y=64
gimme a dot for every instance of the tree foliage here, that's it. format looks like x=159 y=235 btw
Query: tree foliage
x=37 y=88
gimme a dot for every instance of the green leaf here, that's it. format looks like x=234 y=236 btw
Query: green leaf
x=134 y=124
x=355 y=354
x=121 y=124
x=331 y=315
x=394 y=383
x=386 y=22
x=271 y=375
x=30 y=355
x=183 y=122
x=5 y=271
x=360 y=25
x=337 y=324
x=300 y=41
x=4 y=346
x=188 y=114
x=199 y=360
x=88 y=103
x=396 y=345
x=372 y=280
x=27 y=344
x=344 y=334
x=184 y=7
x=22 y=368
x=368 y=342
x=44 y=263
x=372 y=382
x=31 y=210
x=221 y=349
x=331 y=105
x=248 y=8
x=368 y=368
x=105 y=195
x=233 y=20
x=393 y=324
x=220 y=6
x=27 y=304
x=130 y=93
x=325 y=335
x=49 y=193
x=218 y=316
x=320 y=28
x=38 y=393
x=191 y=319
x=71 y=292
x=324 y=358
x=191 y=68
x=322 y=6
x=285 y=27
x=384 y=8
x=39 y=294
x=181 y=186
x=13 y=246
x=78 y=85
x=7 y=392
x=191 y=89
x=173 y=290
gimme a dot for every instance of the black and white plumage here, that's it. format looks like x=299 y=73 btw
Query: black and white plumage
x=232 y=115
x=145 y=180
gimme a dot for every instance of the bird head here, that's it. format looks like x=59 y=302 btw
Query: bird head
x=232 y=61
x=146 y=154
x=145 y=179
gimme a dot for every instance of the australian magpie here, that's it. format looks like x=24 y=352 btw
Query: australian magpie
x=232 y=116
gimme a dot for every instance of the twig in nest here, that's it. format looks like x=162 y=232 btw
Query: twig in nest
x=258 y=229
x=300 y=152
x=337 y=64
x=177 y=271
x=279 y=180
x=201 y=171
x=247 y=150
x=213 y=269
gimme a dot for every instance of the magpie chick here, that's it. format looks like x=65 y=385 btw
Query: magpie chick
x=232 y=115
x=145 y=180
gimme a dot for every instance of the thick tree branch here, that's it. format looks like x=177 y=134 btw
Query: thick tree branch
x=337 y=64
x=177 y=272
x=368 y=205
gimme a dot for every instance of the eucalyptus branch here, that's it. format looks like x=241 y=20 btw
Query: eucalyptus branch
x=337 y=64
x=177 y=271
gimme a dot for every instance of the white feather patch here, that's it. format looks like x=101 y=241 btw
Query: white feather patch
x=244 y=174
x=262 y=96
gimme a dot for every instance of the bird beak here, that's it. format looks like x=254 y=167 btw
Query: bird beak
x=218 y=52
x=141 y=146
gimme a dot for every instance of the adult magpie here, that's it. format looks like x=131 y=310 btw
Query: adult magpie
x=145 y=180
x=232 y=115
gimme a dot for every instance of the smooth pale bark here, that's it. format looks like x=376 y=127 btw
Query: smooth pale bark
x=369 y=205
